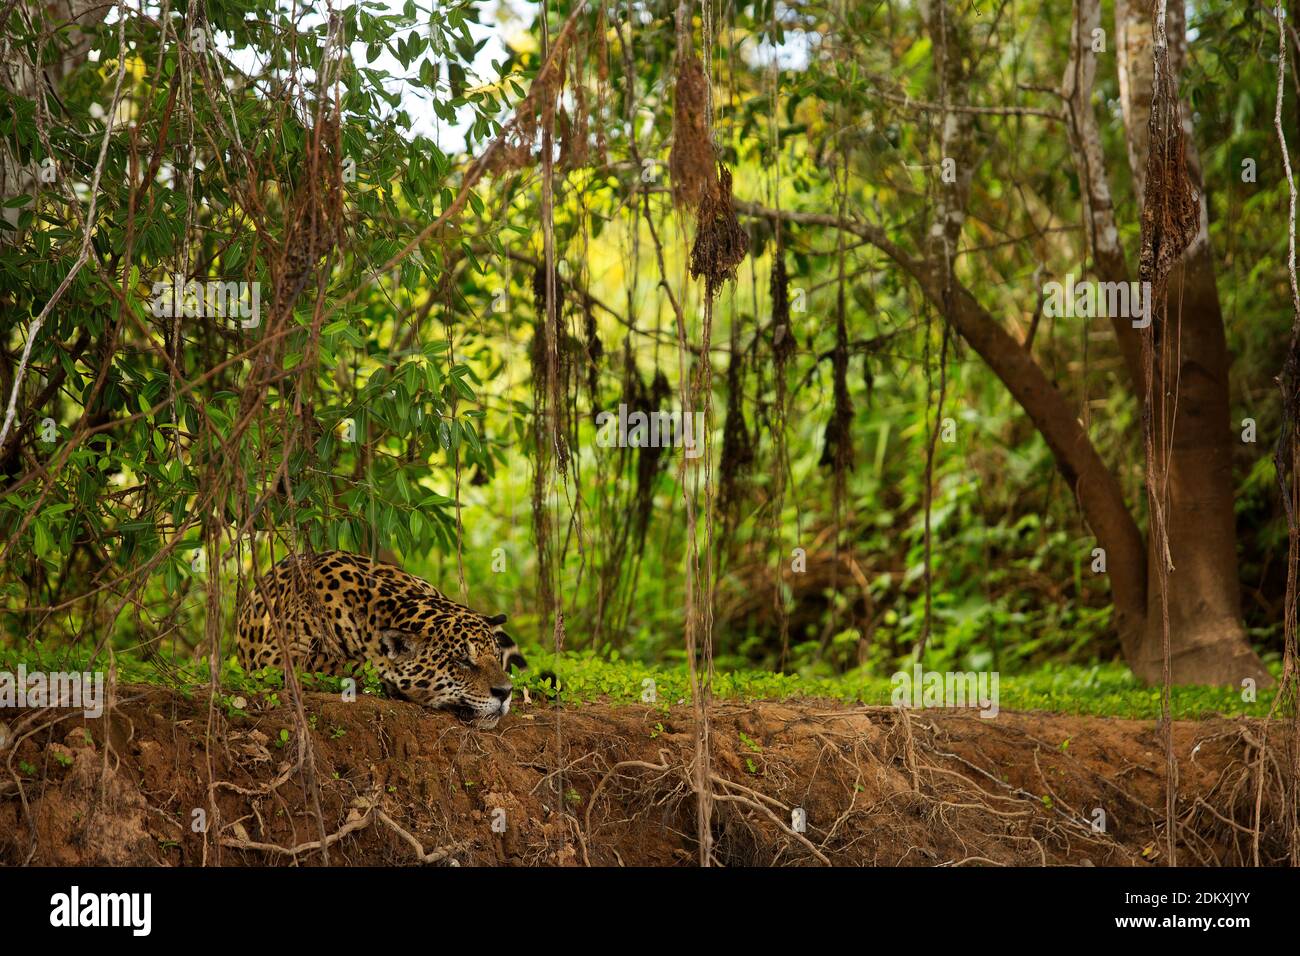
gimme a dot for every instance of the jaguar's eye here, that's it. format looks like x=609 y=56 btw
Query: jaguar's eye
x=466 y=663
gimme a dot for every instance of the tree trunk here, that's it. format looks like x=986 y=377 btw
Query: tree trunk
x=1208 y=643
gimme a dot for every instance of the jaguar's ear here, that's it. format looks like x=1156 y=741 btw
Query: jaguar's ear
x=510 y=653
x=497 y=620
x=396 y=644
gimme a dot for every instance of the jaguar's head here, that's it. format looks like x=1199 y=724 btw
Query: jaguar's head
x=455 y=660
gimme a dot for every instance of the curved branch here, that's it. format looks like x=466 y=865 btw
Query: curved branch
x=1096 y=488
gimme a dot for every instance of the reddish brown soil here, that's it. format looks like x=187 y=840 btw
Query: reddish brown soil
x=608 y=786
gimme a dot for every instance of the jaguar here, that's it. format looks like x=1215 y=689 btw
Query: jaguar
x=333 y=611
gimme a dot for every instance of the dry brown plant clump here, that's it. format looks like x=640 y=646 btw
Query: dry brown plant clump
x=720 y=241
x=691 y=164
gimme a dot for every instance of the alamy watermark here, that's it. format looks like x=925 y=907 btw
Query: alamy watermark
x=80 y=691
x=920 y=688
x=176 y=297
x=74 y=908
x=659 y=429
x=1088 y=300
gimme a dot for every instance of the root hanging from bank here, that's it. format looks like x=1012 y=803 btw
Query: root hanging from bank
x=791 y=783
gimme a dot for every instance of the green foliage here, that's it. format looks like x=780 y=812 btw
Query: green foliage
x=264 y=685
x=1107 y=690
x=365 y=420
x=395 y=409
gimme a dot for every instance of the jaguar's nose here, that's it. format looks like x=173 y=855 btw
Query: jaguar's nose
x=502 y=693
